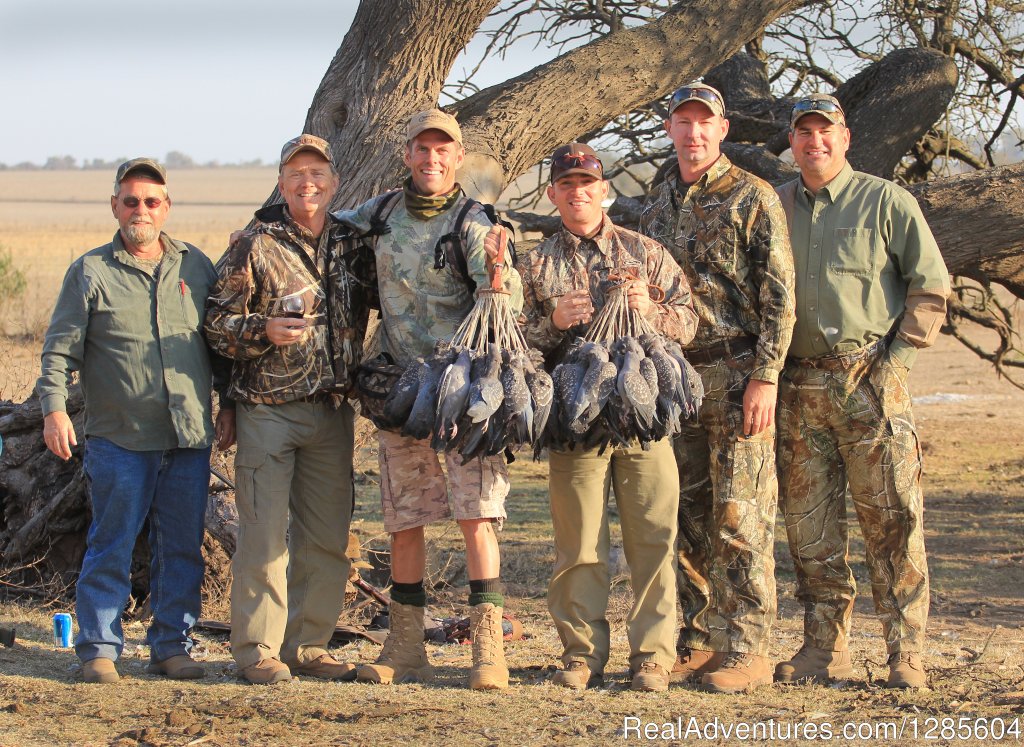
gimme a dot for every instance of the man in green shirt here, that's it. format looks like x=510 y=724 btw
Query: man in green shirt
x=871 y=289
x=129 y=320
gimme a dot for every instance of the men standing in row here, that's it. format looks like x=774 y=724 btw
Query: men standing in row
x=424 y=298
x=727 y=231
x=871 y=290
x=290 y=308
x=563 y=279
x=129 y=320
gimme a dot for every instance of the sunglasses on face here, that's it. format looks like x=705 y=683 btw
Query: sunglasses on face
x=131 y=202
x=817 y=105
x=686 y=93
x=576 y=161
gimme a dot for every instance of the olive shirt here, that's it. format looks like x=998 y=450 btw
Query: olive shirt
x=728 y=233
x=421 y=304
x=134 y=332
x=865 y=257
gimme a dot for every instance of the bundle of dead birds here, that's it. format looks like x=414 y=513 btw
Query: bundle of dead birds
x=621 y=383
x=484 y=392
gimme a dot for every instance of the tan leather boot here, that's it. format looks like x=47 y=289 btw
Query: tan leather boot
x=489 y=669
x=651 y=678
x=739 y=673
x=906 y=671
x=404 y=657
x=692 y=663
x=577 y=676
x=99 y=671
x=815 y=665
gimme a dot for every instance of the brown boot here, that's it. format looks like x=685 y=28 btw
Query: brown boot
x=693 y=663
x=906 y=671
x=815 y=665
x=267 y=672
x=577 y=675
x=489 y=670
x=404 y=657
x=652 y=678
x=326 y=667
x=180 y=667
x=99 y=671
x=739 y=673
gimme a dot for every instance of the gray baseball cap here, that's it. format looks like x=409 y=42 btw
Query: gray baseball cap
x=142 y=167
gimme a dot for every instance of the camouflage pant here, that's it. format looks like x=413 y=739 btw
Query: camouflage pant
x=848 y=421
x=727 y=502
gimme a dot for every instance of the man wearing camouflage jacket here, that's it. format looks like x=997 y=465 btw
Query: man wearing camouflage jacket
x=290 y=307
x=871 y=290
x=727 y=231
x=424 y=299
x=564 y=279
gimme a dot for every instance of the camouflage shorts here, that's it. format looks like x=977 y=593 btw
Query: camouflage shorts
x=414 y=490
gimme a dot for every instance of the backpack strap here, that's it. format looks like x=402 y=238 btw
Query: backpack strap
x=450 y=249
x=379 y=220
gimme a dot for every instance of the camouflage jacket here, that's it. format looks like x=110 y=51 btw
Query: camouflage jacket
x=565 y=262
x=336 y=280
x=728 y=232
x=421 y=304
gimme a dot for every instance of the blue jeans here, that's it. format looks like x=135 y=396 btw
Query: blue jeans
x=125 y=487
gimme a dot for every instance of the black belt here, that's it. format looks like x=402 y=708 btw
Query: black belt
x=842 y=360
x=726 y=349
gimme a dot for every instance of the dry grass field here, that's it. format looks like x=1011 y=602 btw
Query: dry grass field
x=970 y=424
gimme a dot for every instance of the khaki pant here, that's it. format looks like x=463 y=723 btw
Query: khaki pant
x=851 y=424
x=294 y=495
x=727 y=505
x=647 y=494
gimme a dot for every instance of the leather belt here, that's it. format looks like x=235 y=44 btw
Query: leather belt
x=726 y=349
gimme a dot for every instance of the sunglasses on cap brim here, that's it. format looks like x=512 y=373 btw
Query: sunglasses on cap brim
x=806 y=106
x=686 y=94
x=576 y=161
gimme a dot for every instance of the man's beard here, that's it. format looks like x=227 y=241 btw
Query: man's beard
x=142 y=234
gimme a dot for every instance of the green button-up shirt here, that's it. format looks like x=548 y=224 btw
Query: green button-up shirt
x=865 y=258
x=134 y=333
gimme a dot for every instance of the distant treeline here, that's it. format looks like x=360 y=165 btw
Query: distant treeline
x=173 y=160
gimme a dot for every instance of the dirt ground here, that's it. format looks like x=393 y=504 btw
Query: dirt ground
x=970 y=428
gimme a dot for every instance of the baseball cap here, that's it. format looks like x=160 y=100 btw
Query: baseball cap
x=818 y=103
x=434 y=119
x=142 y=166
x=701 y=92
x=305 y=141
x=575 y=158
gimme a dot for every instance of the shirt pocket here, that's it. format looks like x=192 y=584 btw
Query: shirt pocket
x=854 y=251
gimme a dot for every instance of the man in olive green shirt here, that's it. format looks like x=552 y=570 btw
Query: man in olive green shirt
x=129 y=320
x=871 y=289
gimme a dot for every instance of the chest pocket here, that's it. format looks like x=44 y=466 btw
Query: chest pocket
x=854 y=251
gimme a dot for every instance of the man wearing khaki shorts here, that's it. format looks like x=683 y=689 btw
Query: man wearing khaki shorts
x=422 y=303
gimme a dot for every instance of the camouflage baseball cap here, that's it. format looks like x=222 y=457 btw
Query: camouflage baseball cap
x=701 y=92
x=575 y=158
x=818 y=103
x=141 y=167
x=434 y=119
x=305 y=141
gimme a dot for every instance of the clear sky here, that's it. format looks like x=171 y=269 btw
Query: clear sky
x=225 y=80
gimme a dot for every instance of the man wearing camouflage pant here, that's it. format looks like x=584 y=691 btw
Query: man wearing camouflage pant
x=871 y=290
x=727 y=231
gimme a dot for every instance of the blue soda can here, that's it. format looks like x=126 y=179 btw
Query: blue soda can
x=62 y=630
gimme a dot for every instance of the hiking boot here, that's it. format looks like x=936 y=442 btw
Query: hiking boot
x=652 y=678
x=267 y=672
x=489 y=670
x=326 y=667
x=815 y=665
x=739 y=673
x=404 y=657
x=180 y=667
x=577 y=675
x=692 y=663
x=99 y=671
x=906 y=670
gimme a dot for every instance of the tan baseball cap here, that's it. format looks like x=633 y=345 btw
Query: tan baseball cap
x=697 y=91
x=434 y=119
x=142 y=167
x=575 y=158
x=818 y=103
x=305 y=141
